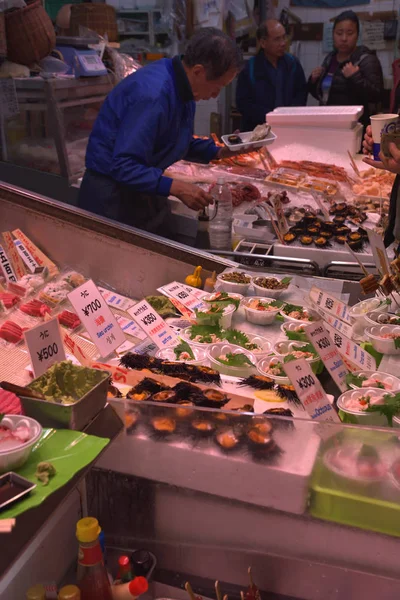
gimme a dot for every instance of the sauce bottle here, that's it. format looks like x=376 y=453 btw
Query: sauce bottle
x=36 y=592
x=124 y=569
x=69 y=592
x=131 y=590
x=92 y=575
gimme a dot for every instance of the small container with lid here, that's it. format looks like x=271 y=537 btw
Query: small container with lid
x=69 y=592
x=36 y=592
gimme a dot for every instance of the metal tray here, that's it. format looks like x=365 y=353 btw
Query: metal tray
x=73 y=416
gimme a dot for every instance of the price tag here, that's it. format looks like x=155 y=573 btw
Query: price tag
x=15 y=258
x=334 y=322
x=353 y=355
x=6 y=266
x=310 y=391
x=378 y=252
x=330 y=304
x=321 y=340
x=152 y=324
x=179 y=292
x=116 y=300
x=195 y=291
x=27 y=257
x=45 y=346
x=129 y=327
x=8 y=98
x=32 y=251
x=97 y=318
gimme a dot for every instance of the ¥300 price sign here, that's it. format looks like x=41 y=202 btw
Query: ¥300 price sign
x=45 y=346
x=310 y=391
x=97 y=318
x=152 y=324
x=321 y=340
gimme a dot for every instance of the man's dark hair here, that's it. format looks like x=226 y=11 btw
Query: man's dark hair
x=262 y=30
x=347 y=15
x=213 y=49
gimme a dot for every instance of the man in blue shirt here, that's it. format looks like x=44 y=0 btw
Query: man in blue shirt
x=146 y=124
x=270 y=79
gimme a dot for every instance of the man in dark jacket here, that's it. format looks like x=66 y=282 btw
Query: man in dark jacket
x=270 y=79
x=350 y=74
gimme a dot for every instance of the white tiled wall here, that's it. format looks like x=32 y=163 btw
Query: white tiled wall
x=311 y=53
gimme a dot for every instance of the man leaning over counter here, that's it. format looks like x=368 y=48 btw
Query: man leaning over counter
x=146 y=124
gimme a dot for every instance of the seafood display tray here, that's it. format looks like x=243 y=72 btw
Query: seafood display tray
x=372 y=506
x=322 y=256
x=198 y=464
x=73 y=416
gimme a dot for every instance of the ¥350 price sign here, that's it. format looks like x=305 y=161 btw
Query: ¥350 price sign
x=152 y=324
x=97 y=318
x=310 y=391
x=45 y=346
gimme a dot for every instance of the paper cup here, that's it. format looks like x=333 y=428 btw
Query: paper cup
x=379 y=123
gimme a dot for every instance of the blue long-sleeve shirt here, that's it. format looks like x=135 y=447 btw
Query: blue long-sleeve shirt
x=261 y=88
x=144 y=126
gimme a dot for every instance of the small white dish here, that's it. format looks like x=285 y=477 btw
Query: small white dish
x=294 y=327
x=185 y=335
x=391 y=383
x=224 y=321
x=216 y=297
x=285 y=347
x=377 y=317
x=310 y=313
x=216 y=350
x=246 y=144
x=358 y=313
x=231 y=286
x=382 y=344
x=256 y=316
x=348 y=403
x=200 y=355
x=268 y=292
x=15 y=456
x=264 y=365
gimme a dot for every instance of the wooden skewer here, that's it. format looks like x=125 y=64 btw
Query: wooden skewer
x=189 y=590
x=353 y=164
x=250 y=577
x=242 y=595
x=218 y=591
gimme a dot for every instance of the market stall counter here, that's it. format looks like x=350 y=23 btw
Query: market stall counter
x=209 y=438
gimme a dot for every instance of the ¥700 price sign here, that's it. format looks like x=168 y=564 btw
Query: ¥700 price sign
x=97 y=318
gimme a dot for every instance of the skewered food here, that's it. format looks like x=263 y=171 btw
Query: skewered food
x=387 y=285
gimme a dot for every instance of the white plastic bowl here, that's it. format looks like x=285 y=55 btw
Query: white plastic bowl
x=358 y=313
x=270 y=293
x=265 y=346
x=169 y=354
x=284 y=347
x=16 y=457
x=225 y=320
x=360 y=416
x=377 y=317
x=394 y=382
x=212 y=297
x=185 y=335
x=259 y=317
x=216 y=350
x=309 y=312
x=263 y=366
x=342 y=461
x=383 y=345
x=231 y=287
x=291 y=326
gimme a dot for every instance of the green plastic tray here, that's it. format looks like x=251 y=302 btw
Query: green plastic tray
x=374 y=507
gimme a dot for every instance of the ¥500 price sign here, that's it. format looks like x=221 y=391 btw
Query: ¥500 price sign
x=153 y=325
x=97 y=318
x=45 y=346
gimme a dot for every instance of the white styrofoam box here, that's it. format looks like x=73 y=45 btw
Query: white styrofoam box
x=342 y=117
x=340 y=140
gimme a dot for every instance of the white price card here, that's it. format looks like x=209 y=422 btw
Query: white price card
x=129 y=327
x=45 y=346
x=116 y=300
x=6 y=266
x=337 y=324
x=179 y=292
x=310 y=391
x=330 y=304
x=152 y=324
x=354 y=357
x=321 y=340
x=97 y=318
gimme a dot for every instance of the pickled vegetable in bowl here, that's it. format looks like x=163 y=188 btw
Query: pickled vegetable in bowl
x=294 y=312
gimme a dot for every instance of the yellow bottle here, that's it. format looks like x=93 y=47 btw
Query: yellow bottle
x=69 y=592
x=36 y=592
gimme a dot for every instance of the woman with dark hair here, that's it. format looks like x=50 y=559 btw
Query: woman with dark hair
x=350 y=74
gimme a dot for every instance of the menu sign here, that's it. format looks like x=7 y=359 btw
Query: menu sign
x=353 y=355
x=321 y=340
x=310 y=391
x=45 y=346
x=152 y=324
x=330 y=304
x=97 y=318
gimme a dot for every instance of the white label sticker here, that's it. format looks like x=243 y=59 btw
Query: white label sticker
x=310 y=391
x=27 y=257
x=45 y=346
x=116 y=300
x=353 y=355
x=179 y=292
x=6 y=266
x=129 y=327
x=97 y=318
x=330 y=304
x=321 y=340
x=337 y=324
x=152 y=324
